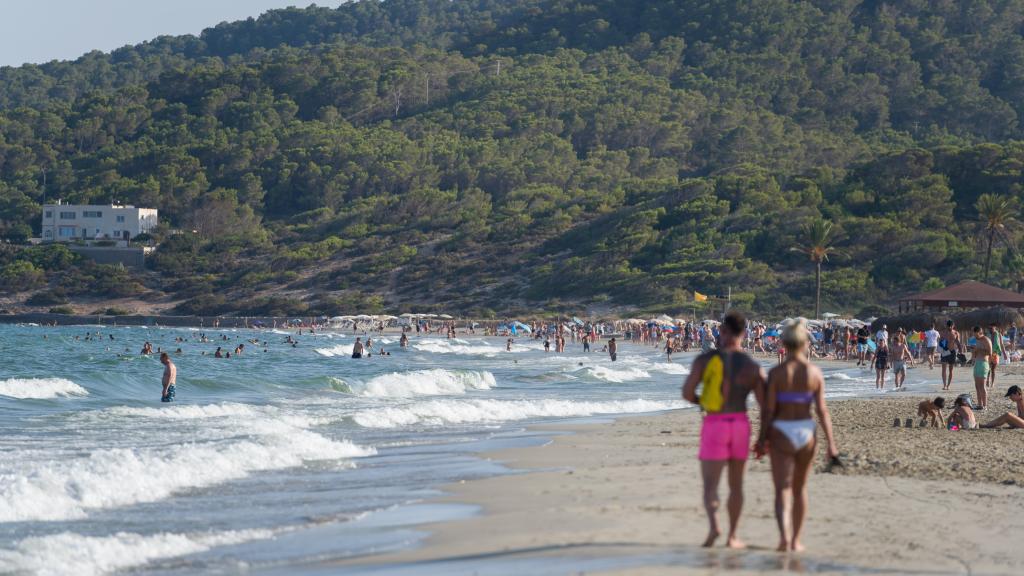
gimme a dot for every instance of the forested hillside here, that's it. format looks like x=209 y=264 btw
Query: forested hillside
x=494 y=155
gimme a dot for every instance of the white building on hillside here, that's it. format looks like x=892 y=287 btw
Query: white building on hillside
x=64 y=222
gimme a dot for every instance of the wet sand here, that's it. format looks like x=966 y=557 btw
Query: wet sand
x=625 y=497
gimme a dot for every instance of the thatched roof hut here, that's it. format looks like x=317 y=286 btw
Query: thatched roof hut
x=914 y=321
x=1001 y=316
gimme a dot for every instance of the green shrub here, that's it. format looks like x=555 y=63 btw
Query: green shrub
x=62 y=310
x=48 y=298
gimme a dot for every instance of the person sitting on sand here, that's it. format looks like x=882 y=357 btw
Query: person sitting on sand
x=962 y=417
x=932 y=409
x=788 y=432
x=1010 y=419
x=727 y=377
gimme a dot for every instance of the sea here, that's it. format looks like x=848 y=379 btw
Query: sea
x=286 y=457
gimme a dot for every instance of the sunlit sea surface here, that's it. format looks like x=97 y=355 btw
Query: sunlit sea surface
x=284 y=456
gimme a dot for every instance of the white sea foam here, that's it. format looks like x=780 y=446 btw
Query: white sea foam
x=67 y=488
x=456 y=411
x=70 y=553
x=457 y=346
x=342 y=350
x=432 y=382
x=670 y=368
x=230 y=411
x=617 y=375
x=39 y=388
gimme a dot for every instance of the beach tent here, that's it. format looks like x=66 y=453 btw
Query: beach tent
x=577 y=321
x=517 y=325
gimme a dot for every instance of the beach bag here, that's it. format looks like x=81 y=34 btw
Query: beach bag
x=713 y=391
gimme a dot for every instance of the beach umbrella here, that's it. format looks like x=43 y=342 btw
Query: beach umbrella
x=830 y=315
x=665 y=319
x=1001 y=316
x=407 y=315
x=912 y=321
x=445 y=316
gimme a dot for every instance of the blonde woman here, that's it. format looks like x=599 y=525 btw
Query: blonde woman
x=788 y=432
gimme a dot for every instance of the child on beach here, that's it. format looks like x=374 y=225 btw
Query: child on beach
x=932 y=409
x=962 y=417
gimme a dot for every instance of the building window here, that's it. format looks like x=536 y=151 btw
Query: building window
x=48 y=214
x=116 y=234
x=92 y=214
x=48 y=234
x=67 y=215
x=66 y=232
x=120 y=218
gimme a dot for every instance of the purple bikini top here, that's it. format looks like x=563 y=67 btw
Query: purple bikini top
x=790 y=397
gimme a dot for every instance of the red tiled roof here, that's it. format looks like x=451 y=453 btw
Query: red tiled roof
x=970 y=291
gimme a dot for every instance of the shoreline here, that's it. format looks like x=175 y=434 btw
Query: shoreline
x=625 y=497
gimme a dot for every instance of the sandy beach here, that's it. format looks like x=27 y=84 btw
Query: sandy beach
x=624 y=497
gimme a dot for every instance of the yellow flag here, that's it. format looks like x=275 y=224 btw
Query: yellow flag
x=698 y=297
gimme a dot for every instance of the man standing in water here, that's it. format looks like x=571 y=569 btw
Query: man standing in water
x=728 y=376
x=613 y=350
x=170 y=377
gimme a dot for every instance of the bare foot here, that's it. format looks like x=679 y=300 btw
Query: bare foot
x=735 y=543
x=712 y=536
x=797 y=547
x=783 y=546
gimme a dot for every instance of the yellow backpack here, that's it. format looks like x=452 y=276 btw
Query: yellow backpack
x=712 y=396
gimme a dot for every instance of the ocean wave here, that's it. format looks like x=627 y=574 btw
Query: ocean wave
x=342 y=350
x=225 y=410
x=433 y=382
x=458 y=346
x=40 y=388
x=617 y=375
x=70 y=553
x=66 y=488
x=670 y=368
x=444 y=412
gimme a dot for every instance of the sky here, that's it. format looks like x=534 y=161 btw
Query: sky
x=38 y=31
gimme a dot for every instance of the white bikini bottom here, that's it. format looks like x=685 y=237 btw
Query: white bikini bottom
x=799 y=432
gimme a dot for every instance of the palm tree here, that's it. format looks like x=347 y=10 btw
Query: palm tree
x=997 y=213
x=817 y=245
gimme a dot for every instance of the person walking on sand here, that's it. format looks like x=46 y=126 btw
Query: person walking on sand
x=169 y=379
x=788 y=432
x=997 y=351
x=931 y=342
x=727 y=377
x=901 y=356
x=949 y=347
x=1010 y=419
x=980 y=355
x=881 y=363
